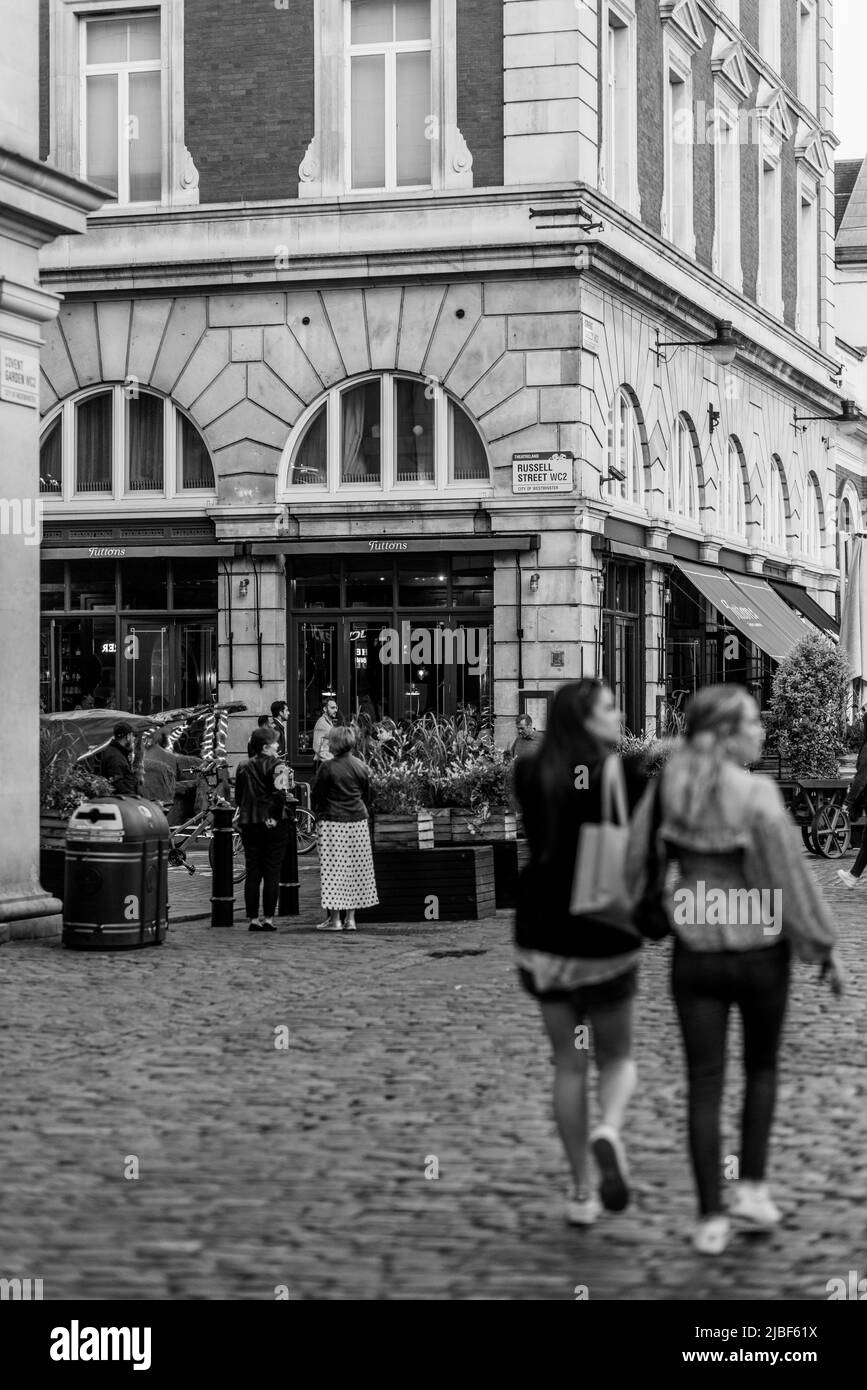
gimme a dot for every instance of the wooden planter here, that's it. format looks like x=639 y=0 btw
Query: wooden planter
x=414 y=831
x=52 y=852
x=433 y=885
x=470 y=830
x=442 y=824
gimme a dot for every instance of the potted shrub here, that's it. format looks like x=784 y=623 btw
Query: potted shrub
x=479 y=791
x=63 y=785
x=808 y=708
x=398 y=815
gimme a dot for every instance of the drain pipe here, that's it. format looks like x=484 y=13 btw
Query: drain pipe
x=228 y=573
x=520 y=621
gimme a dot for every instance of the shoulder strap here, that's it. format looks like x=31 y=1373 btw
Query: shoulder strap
x=614 y=791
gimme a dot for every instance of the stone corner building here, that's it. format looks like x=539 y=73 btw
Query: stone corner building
x=363 y=254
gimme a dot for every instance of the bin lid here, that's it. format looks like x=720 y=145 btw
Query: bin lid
x=117 y=820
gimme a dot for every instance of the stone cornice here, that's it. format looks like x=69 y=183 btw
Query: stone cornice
x=41 y=202
x=27 y=301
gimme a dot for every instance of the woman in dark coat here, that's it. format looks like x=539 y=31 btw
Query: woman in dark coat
x=583 y=972
x=261 y=788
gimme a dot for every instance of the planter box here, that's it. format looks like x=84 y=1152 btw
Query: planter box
x=52 y=853
x=467 y=829
x=442 y=824
x=413 y=831
x=429 y=885
x=510 y=856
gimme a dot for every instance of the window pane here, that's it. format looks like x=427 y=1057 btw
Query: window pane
x=425 y=585
x=368 y=122
x=413 y=433
x=317 y=584
x=106 y=40
x=317 y=673
x=144 y=38
x=472 y=581
x=92 y=585
x=144 y=443
x=144 y=127
x=372 y=21
x=474 y=675
x=51 y=460
x=194 y=465
x=368 y=674
x=362 y=414
x=147 y=667
x=102 y=132
x=311 y=461
x=413 y=19
x=469 y=461
x=194 y=583
x=368 y=582
x=413 y=102
x=143 y=583
x=85 y=659
x=93 y=444
x=52 y=585
x=198 y=663
x=424 y=673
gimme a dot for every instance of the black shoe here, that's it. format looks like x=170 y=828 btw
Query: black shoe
x=262 y=926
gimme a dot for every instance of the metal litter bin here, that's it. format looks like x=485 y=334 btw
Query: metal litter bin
x=116 y=885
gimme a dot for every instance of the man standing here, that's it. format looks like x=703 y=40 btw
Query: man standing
x=280 y=718
x=321 y=729
x=115 y=763
x=528 y=738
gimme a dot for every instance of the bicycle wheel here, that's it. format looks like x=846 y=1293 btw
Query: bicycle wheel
x=306 y=823
x=239 y=867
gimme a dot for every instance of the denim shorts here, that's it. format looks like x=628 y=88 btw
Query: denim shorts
x=586 y=999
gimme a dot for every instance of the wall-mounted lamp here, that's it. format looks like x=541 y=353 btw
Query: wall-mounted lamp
x=712 y=419
x=848 y=421
x=723 y=346
x=534 y=582
x=243 y=587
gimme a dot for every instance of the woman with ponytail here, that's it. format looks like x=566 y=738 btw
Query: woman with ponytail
x=583 y=972
x=741 y=902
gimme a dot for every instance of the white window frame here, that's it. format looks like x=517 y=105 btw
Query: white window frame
x=770 y=32
x=811 y=542
x=389 y=51
x=808 y=38
x=726 y=256
x=618 y=163
x=677 y=220
x=67 y=20
x=299 y=493
x=844 y=536
x=122 y=71
x=807 y=317
x=774 y=520
x=325 y=170
x=733 y=512
x=119 y=494
x=625 y=452
x=769 y=288
x=681 y=475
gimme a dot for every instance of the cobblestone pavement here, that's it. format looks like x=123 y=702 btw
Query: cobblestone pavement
x=304 y=1167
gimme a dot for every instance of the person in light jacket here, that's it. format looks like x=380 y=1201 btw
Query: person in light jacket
x=733 y=883
x=340 y=797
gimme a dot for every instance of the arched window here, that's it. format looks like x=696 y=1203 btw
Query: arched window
x=733 y=510
x=848 y=509
x=388 y=433
x=625 y=452
x=121 y=442
x=681 y=479
x=812 y=535
x=774 y=511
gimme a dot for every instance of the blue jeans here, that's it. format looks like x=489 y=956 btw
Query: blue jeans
x=705 y=985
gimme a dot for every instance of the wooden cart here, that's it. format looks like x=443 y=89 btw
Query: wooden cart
x=817 y=805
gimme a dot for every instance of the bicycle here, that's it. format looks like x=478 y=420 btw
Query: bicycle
x=305 y=820
x=201 y=825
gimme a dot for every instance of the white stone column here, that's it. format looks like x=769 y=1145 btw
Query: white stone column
x=36 y=204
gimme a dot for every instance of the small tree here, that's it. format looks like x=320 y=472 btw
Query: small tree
x=808 y=707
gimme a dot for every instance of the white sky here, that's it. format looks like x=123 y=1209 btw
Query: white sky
x=850 y=88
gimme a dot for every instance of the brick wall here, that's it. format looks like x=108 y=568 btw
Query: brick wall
x=44 y=94
x=750 y=216
x=480 y=87
x=704 y=203
x=789 y=222
x=750 y=21
x=248 y=97
x=650 y=147
x=789 y=43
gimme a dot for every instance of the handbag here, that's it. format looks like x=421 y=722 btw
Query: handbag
x=598 y=883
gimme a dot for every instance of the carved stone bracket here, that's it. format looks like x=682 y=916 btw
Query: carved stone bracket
x=460 y=162
x=310 y=172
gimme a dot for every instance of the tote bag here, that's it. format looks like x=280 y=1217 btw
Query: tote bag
x=598 y=885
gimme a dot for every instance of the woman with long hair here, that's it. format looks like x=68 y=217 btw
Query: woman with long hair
x=739 y=902
x=582 y=972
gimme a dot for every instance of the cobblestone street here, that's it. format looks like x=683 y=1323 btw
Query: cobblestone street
x=261 y=1166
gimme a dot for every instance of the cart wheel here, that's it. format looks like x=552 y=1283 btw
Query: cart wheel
x=831 y=831
x=807 y=837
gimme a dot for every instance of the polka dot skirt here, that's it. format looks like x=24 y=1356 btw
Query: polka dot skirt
x=346 y=864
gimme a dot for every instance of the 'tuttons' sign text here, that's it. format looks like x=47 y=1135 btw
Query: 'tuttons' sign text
x=543 y=472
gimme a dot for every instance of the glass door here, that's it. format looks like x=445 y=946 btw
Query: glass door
x=77 y=664
x=368 y=684
x=147 y=666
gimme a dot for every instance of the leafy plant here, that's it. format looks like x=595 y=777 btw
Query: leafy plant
x=808 y=708
x=64 y=783
x=394 y=790
x=653 y=751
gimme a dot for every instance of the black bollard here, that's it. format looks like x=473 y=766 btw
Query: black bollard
x=222 y=887
x=287 y=903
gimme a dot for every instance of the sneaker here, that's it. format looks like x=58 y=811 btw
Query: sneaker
x=349 y=926
x=849 y=879
x=751 y=1201
x=328 y=925
x=262 y=926
x=712 y=1235
x=610 y=1157
x=582 y=1211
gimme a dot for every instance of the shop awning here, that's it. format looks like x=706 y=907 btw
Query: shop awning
x=397 y=545
x=739 y=608
x=777 y=612
x=112 y=551
x=798 y=598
